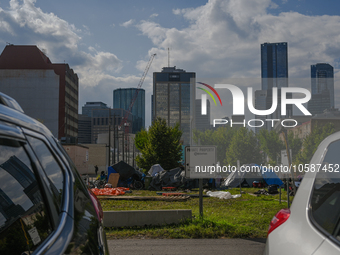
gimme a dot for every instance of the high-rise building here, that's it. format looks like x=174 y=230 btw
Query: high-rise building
x=261 y=104
x=104 y=120
x=85 y=121
x=322 y=85
x=202 y=121
x=274 y=65
x=274 y=74
x=89 y=106
x=84 y=129
x=122 y=98
x=47 y=92
x=174 y=98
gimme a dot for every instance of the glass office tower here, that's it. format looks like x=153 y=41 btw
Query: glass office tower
x=322 y=85
x=274 y=73
x=274 y=65
x=122 y=98
x=173 y=98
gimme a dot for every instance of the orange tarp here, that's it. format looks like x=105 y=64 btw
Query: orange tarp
x=109 y=191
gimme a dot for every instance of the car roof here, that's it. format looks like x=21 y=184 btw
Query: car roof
x=12 y=116
x=10 y=102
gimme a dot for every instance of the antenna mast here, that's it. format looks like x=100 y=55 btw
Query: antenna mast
x=168 y=57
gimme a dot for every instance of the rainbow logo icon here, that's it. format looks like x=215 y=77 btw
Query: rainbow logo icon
x=204 y=97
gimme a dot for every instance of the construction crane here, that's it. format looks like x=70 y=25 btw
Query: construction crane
x=124 y=122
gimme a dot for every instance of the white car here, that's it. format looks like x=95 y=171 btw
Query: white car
x=312 y=224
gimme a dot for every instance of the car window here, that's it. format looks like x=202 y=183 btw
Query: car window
x=50 y=166
x=24 y=221
x=325 y=202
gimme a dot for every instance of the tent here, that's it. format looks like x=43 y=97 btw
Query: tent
x=251 y=173
x=172 y=178
x=125 y=171
x=155 y=169
x=270 y=177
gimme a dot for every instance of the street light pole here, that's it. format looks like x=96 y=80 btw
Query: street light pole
x=109 y=161
x=114 y=138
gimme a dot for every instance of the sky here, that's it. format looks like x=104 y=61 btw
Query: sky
x=108 y=43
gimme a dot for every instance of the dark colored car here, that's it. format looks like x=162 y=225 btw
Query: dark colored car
x=45 y=207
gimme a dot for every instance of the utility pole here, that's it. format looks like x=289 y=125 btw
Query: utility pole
x=133 y=155
x=289 y=164
x=109 y=159
x=114 y=138
x=123 y=140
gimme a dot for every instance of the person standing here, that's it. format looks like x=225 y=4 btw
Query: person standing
x=96 y=169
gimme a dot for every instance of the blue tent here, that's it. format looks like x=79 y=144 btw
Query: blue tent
x=270 y=177
x=261 y=173
x=109 y=171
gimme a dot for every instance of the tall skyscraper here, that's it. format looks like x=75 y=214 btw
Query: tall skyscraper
x=274 y=65
x=261 y=104
x=274 y=73
x=122 y=98
x=202 y=121
x=322 y=85
x=174 y=98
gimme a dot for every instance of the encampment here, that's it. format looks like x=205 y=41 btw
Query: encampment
x=250 y=173
x=125 y=171
x=168 y=178
x=155 y=169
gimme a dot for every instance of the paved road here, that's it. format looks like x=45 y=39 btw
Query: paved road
x=186 y=246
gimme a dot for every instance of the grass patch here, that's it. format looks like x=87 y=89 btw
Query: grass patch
x=244 y=217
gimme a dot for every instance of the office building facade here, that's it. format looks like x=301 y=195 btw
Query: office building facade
x=84 y=129
x=47 y=92
x=105 y=120
x=202 y=122
x=274 y=65
x=122 y=98
x=89 y=106
x=174 y=99
x=322 y=88
x=274 y=74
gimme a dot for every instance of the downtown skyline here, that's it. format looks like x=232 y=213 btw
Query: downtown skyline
x=108 y=44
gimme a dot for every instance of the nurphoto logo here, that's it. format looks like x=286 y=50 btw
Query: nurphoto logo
x=239 y=98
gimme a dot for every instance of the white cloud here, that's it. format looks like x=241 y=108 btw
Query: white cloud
x=224 y=37
x=154 y=15
x=223 y=40
x=176 y=11
x=153 y=30
x=127 y=23
x=25 y=24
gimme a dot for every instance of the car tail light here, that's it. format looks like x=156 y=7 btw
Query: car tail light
x=281 y=217
x=97 y=205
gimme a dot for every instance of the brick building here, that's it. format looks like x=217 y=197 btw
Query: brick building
x=47 y=92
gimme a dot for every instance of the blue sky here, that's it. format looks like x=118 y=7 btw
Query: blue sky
x=108 y=43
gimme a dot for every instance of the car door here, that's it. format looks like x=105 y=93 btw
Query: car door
x=27 y=223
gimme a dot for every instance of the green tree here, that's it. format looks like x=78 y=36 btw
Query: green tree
x=141 y=139
x=295 y=144
x=271 y=144
x=312 y=141
x=220 y=138
x=159 y=145
x=243 y=147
